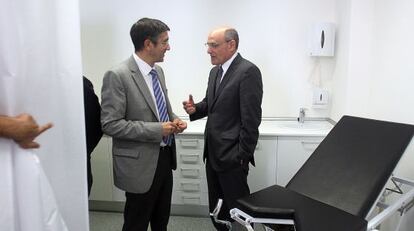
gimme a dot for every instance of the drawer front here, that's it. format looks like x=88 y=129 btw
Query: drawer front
x=190 y=185
x=185 y=198
x=190 y=171
x=190 y=143
x=190 y=158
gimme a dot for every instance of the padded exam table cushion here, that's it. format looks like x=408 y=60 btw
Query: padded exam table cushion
x=308 y=214
x=346 y=172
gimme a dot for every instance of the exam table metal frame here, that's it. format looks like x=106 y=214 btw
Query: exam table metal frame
x=401 y=205
x=381 y=137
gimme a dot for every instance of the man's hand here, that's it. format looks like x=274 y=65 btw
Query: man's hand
x=23 y=129
x=181 y=125
x=169 y=128
x=189 y=106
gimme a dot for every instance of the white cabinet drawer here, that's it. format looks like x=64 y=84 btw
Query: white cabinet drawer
x=190 y=185
x=102 y=171
x=184 y=198
x=190 y=171
x=190 y=157
x=190 y=143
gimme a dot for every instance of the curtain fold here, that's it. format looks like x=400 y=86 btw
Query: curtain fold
x=41 y=74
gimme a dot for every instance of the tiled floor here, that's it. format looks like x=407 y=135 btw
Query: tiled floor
x=106 y=221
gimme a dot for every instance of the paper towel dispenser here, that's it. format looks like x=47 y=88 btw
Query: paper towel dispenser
x=322 y=39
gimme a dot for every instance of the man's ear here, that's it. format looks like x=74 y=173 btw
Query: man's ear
x=148 y=43
x=232 y=44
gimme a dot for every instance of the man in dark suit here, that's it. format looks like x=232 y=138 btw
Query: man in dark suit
x=92 y=124
x=233 y=106
x=137 y=114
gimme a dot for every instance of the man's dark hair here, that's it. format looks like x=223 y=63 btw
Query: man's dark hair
x=146 y=28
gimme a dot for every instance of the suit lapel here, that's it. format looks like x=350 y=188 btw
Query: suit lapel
x=226 y=78
x=141 y=84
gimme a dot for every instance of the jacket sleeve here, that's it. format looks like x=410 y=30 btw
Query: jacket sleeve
x=92 y=116
x=201 y=110
x=251 y=93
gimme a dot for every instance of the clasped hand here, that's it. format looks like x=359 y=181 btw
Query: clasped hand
x=177 y=126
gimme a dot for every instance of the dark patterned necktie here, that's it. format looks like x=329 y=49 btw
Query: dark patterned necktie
x=218 y=79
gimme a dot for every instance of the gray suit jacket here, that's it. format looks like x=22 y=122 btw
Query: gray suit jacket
x=129 y=116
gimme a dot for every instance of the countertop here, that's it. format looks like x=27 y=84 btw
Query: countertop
x=276 y=127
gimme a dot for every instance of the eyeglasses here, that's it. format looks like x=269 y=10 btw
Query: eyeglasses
x=214 y=45
x=165 y=43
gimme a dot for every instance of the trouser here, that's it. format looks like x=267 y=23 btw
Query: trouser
x=152 y=207
x=228 y=185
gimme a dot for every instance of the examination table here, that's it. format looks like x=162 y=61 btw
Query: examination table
x=340 y=186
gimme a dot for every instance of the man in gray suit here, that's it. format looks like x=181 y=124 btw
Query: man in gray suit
x=233 y=107
x=137 y=114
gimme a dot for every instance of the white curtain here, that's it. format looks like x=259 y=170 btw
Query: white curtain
x=40 y=74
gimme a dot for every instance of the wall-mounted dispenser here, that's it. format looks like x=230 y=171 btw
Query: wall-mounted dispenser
x=320 y=98
x=322 y=39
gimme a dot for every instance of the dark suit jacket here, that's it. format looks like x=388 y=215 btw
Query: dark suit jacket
x=234 y=115
x=92 y=116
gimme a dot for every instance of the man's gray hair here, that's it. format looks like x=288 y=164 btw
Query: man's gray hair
x=231 y=34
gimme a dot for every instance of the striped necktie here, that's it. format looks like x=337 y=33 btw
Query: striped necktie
x=161 y=105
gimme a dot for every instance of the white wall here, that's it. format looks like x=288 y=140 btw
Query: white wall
x=373 y=74
x=273 y=34
x=370 y=75
x=354 y=58
x=374 y=71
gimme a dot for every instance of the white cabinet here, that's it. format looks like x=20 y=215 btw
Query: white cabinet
x=278 y=156
x=101 y=163
x=292 y=152
x=190 y=184
x=264 y=174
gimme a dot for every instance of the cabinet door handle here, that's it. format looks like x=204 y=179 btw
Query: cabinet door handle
x=190 y=186
x=190 y=158
x=189 y=143
x=191 y=199
x=190 y=172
